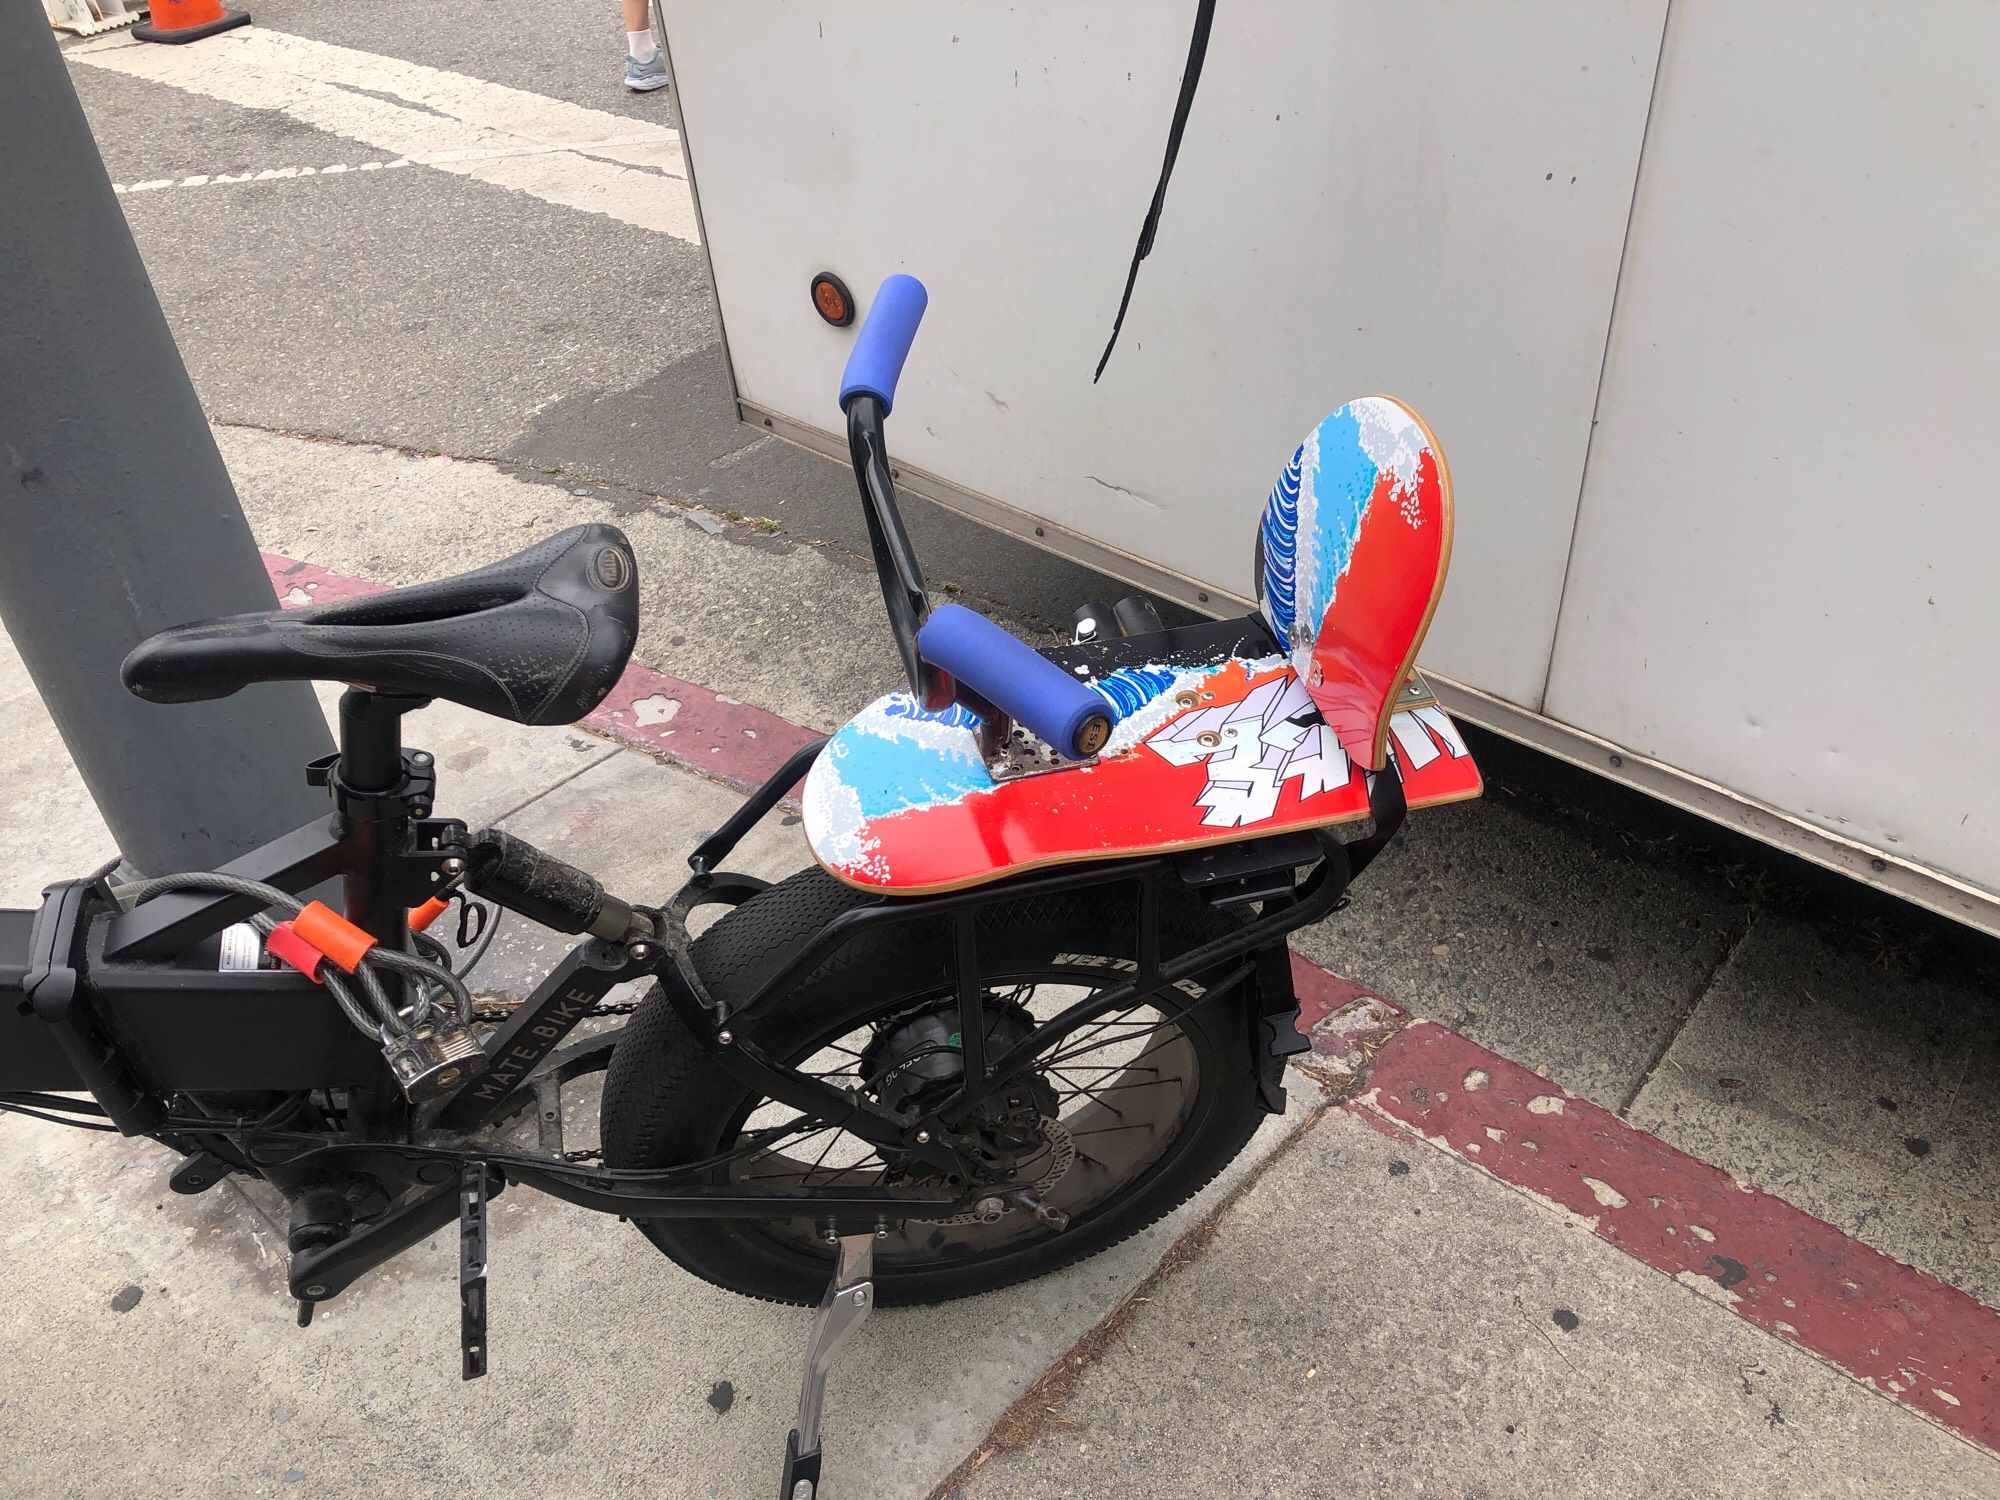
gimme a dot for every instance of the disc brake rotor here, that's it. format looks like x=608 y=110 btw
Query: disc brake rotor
x=993 y=1207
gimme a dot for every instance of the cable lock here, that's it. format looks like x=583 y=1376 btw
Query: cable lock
x=428 y=1045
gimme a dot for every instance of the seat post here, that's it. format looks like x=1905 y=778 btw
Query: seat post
x=371 y=736
x=374 y=826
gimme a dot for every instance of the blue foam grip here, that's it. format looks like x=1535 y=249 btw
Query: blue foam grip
x=884 y=342
x=1016 y=679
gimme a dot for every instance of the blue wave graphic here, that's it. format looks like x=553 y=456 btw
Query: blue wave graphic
x=1281 y=536
x=952 y=715
x=1130 y=689
x=895 y=775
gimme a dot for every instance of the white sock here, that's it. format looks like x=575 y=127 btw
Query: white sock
x=640 y=45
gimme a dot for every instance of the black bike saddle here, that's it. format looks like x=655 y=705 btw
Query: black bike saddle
x=539 y=637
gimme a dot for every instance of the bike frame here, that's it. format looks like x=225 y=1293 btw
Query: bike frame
x=138 y=1026
x=141 y=1018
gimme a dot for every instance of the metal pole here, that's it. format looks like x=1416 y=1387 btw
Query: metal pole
x=117 y=517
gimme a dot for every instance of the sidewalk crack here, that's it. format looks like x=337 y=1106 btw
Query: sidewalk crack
x=553 y=786
x=1040 y=1406
x=1701 y=989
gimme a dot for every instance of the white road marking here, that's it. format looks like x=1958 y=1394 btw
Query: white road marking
x=586 y=159
x=422 y=159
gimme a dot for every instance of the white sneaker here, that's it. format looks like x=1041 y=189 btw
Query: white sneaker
x=644 y=77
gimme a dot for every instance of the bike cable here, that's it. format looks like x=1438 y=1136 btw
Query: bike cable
x=432 y=978
x=46 y=1106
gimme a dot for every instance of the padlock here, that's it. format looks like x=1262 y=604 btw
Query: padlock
x=434 y=1059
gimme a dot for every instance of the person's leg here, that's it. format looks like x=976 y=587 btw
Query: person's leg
x=645 y=69
x=639 y=29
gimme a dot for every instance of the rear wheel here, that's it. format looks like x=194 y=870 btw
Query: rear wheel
x=1113 y=1127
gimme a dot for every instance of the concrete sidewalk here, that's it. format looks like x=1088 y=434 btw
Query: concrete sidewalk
x=1391 y=1304
x=1375 y=1318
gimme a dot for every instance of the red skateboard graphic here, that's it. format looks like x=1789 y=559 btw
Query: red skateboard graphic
x=1218 y=737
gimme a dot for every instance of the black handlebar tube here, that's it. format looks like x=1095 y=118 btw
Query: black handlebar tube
x=903 y=592
x=712 y=851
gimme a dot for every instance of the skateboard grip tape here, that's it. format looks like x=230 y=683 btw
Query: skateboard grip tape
x=1016 y=679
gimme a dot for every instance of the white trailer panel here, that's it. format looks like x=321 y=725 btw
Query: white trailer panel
x=1784 y=569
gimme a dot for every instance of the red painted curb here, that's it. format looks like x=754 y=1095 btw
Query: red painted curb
x=705 y=731
x=668 y=716
x=301 y=583
x=1343 y=1020
x=1928 y=1345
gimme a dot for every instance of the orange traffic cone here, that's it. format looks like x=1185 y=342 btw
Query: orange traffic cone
x=188 y=20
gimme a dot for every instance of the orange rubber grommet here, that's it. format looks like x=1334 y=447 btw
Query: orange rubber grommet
x=284 y=944
x=331 y=933
x=428 y=913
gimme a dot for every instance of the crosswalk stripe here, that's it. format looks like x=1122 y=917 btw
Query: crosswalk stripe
x=586 y=159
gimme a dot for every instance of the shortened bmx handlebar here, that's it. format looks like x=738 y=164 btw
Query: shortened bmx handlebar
x=949 y=654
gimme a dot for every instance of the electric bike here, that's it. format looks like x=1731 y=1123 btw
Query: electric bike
x=1032 y=994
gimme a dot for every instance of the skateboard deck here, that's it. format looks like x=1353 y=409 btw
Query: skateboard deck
x=1355 y=541
x=1204 y=752
x=1234 y=730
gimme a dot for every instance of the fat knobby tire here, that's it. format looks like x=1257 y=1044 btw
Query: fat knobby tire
x=666 y=1101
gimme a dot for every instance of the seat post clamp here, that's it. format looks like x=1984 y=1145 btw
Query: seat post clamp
x=411 y=797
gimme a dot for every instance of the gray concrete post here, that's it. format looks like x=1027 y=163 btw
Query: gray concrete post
x=117 y=517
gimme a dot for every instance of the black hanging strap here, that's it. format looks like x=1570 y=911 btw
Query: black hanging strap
x=1204 y=16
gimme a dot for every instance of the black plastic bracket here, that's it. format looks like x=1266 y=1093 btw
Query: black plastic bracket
x=325 y=1271
x=50 y=985
x=801 y=1469
x=199 y=1173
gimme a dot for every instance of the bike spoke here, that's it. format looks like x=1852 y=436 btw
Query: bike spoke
x=1093 y=1095
x=1077 y=1135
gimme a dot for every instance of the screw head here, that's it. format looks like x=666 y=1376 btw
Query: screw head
x=452 y=866
x=316 y=1290
x=989 y=1208
x=803 y=1490
x=923 y=1137
x=725 y=1037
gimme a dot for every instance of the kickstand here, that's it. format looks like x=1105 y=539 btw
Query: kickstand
x=472 y=1194
x=849 y=1298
